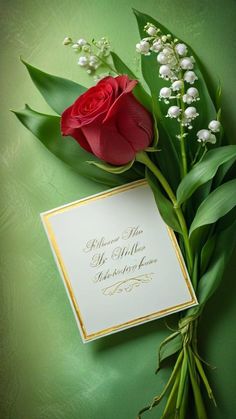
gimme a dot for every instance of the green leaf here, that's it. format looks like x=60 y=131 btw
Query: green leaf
x=139 y=92
x=209 y=282
x=215 y=206
x=165 y=207
x=222 y=171
x=47 y=129
x=112 y=169
x=170 y=346
x=207 y=252
x=58 y=92
x=204 y=171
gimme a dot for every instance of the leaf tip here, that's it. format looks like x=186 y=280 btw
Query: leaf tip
x=22 y=60
x=135 y=11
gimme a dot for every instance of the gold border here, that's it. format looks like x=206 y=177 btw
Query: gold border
x=151 y=316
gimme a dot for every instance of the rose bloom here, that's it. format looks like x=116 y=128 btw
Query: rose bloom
x=108 y=121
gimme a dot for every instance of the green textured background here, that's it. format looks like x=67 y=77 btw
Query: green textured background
x=45 y=370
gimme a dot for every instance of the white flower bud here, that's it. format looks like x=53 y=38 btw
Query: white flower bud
x=192 y=91
x=181 y=49
x=93 y=62
x=86 y=49
x=214 y=126
x=75 y=47
x=191 y=112
x=156 y=46
x=205 y=136
x=162 y=58
x=152 y=31
x=173 y=112
x=177 y=85
x=186 y=63
x=165 y=71
x=93 y=59
x=81 y=42
x=165 y=92
x=143 y=47
x=164 y=38
x=83 y=61
x=190 y=77
x=67 y=41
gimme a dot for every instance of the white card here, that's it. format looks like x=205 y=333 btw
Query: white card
x=120 y=263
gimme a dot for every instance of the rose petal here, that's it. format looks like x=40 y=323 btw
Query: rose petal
x=128 y=88
x=108 y=144
x=67 y=129
x=134 y=122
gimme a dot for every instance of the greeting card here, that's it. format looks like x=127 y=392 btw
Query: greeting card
x=120 y=263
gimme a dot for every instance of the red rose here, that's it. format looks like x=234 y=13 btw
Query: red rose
x=109 y=122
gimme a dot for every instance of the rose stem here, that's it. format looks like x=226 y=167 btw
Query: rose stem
x=142 y=157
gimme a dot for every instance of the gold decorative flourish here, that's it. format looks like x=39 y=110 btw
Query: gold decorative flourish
x=127 y=285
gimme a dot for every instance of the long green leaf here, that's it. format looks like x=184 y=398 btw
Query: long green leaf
x=204 y=171
x=164 y=205
x=209 y=282
x=139 y=92
x=222 y=172
x=58 y=92
x=47 y=129
x=208 y=248
x=215 y=206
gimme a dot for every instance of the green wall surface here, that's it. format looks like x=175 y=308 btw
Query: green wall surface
x=45 y=370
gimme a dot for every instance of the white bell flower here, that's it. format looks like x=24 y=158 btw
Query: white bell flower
x=81 y=42
x=152 y=30
x=190 y=77
x=186 y=63
x=165 y=93
x=93 y=62
x=173 y=112
x=83 y=61
x=214 y=126
x=191 y=95
x=162 y=58
x=156 y=46
x=205 y=136
x=192 y=91
x=143 y=47
x=181 y=49
x=190 y=113
x=187 y=99
x=165 y=72
x=177 y=85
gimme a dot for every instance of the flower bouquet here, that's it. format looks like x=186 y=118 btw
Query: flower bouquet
x=165 y=126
